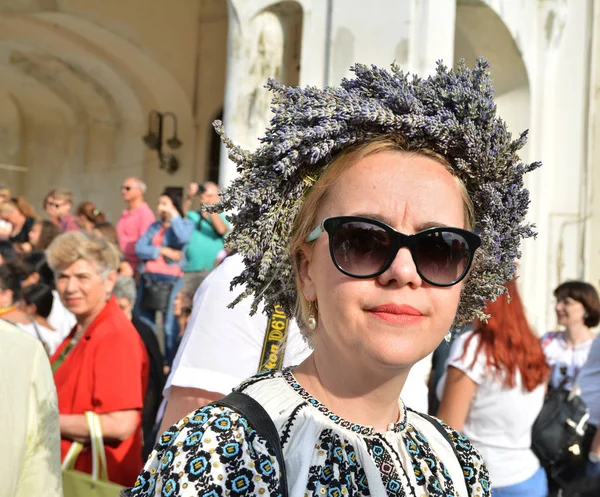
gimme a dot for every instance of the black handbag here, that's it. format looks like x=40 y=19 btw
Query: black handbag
x=156 y=294
x=558 y=436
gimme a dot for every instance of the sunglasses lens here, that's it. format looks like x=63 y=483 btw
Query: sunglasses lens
x=361 y=248
x=442 y=256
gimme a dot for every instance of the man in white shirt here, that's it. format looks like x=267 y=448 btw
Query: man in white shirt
x=221 y=346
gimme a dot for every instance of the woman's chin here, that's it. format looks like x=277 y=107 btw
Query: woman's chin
x=396 y=355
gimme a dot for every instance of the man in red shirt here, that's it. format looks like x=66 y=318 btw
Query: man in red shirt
x=134 y=220
x=102 y=366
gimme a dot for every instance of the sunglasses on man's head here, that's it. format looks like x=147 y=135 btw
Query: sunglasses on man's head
x=364 y=248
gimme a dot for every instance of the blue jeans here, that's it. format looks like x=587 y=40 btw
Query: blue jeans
x=535 y=486
x=170 y=324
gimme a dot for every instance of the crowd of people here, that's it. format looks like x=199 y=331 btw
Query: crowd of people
x=374 y=249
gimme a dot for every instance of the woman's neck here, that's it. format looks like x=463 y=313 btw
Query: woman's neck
x=365 y=397
x=14 y=315
x=85 y=320
x=18 y=225
x=577 y=334
x=87 y=225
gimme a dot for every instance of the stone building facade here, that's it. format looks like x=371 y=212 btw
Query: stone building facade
x=80 y=79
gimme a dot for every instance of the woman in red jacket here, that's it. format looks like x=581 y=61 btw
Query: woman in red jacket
x=102 y=365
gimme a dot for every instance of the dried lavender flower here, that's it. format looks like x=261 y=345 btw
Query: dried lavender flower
x=450 y=112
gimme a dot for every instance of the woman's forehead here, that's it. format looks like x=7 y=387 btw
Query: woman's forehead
x=80 y=266
x=403 y=188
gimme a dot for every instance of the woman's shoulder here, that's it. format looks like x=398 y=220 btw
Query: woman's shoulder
x=552 y=338
x=450 y=444
x=155 y=225
x=214 y=448
x=113 y=326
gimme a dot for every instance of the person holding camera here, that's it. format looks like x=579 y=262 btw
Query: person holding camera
x=161 y=250
x=208 y=235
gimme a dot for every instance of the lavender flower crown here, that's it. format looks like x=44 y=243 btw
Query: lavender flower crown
x=451 y=112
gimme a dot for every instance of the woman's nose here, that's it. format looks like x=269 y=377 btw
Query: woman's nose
x=402 y=270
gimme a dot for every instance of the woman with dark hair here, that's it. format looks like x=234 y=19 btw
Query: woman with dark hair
x=13 y=311
x=10 y=294
x=577 y=309
x=37 y=302
x=161 y=250
x=493 y=391
x=88 y=216
x=35 y=271
x=7 y=251
x=41 y=235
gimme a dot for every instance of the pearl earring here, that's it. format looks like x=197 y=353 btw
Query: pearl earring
x=311 y=321
x=448 y=337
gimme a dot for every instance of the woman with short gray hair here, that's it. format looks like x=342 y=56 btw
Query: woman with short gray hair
x=125 y=292
x=101 y=366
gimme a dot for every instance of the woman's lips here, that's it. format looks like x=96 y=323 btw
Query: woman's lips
x=397 y=314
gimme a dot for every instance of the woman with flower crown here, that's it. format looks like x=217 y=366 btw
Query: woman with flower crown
x=381 y=214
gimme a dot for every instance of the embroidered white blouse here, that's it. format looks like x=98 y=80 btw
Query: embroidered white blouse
x=216 y=452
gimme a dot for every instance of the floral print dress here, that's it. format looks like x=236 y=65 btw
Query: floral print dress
x=215 y=452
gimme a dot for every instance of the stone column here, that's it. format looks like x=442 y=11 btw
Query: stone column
x=254 y=54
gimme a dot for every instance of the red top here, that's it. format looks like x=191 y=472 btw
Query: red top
x=159 y=265
x=106 y=371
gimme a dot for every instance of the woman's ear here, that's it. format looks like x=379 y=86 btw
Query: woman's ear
x=303 y=262
x=109 y=283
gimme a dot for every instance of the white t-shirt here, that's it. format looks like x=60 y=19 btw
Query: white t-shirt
x=221 y=347
x=589 y=382
x=415 y=393
x=500 y=418
x=61 y=319
x=566 y=361
x=50 y=339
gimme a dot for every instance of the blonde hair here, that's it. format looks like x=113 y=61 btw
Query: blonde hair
x=5 y=191
x=70 y=247
x=306 y=219
x=19 y=203
x=62 y=194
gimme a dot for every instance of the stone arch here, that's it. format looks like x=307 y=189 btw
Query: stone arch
x=110 y=84
x=482 y=31
x=265 y=41
x=210 y=82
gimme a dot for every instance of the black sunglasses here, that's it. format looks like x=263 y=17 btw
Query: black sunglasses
x=126 y=188
x=364 y=248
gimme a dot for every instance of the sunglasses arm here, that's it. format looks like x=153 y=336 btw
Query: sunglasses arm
x=314 y=234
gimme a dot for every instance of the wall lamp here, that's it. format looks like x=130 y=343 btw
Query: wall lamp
x=154 y=139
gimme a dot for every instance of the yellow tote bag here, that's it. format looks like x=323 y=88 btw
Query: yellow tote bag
x=79 y=484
